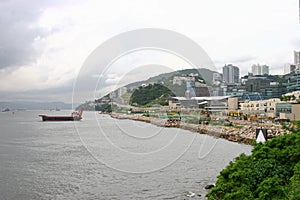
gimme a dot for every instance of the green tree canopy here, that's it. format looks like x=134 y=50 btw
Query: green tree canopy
x=155 y=93
x=272 y=171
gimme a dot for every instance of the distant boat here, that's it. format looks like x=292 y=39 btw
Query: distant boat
x=75 y=116
x=6 y=110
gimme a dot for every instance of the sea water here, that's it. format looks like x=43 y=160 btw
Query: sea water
x=104 y=158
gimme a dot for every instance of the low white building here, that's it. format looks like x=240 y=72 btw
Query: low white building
x=261 y=106
x=179 y=79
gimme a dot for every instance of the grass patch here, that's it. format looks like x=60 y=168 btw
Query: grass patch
x=238 y=127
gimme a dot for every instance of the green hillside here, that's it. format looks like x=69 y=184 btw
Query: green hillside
x=151 y=94
x=165 y=79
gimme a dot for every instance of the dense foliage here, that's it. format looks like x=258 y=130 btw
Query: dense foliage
x=272 y=171
x=103 y=108
x=151 y=94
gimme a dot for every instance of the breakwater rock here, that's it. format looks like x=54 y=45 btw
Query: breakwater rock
x=242 y=132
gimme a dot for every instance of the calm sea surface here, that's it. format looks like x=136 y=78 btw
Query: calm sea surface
x=104 y=158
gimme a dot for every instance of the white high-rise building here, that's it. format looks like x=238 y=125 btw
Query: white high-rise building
x=231 y=74
x=297 y=59
x=288 y=68
x=260 y=69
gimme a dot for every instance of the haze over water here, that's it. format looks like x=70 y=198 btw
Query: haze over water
x=47 y=160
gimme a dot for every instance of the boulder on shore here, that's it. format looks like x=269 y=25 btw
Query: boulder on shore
x=209 y=186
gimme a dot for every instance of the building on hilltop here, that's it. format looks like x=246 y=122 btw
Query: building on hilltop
x=260 y=70
x=178 y=80
x=231 y=74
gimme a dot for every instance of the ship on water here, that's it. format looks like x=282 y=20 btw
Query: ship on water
x=6 y=110
x=75 y=116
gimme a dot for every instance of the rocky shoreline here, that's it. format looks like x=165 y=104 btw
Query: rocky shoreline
x=242 y=132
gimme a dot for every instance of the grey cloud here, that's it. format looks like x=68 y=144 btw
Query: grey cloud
x=19 y=30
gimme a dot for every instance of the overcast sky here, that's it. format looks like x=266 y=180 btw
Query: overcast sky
x=43 y=44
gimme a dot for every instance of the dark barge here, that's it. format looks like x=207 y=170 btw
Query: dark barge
x=75 y=116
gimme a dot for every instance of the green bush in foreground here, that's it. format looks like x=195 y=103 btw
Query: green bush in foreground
x=272 y=171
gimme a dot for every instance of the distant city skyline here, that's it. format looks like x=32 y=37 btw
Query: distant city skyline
x=258 y=69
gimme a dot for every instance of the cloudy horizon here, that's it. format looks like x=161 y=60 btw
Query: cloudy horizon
x=44 y=44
